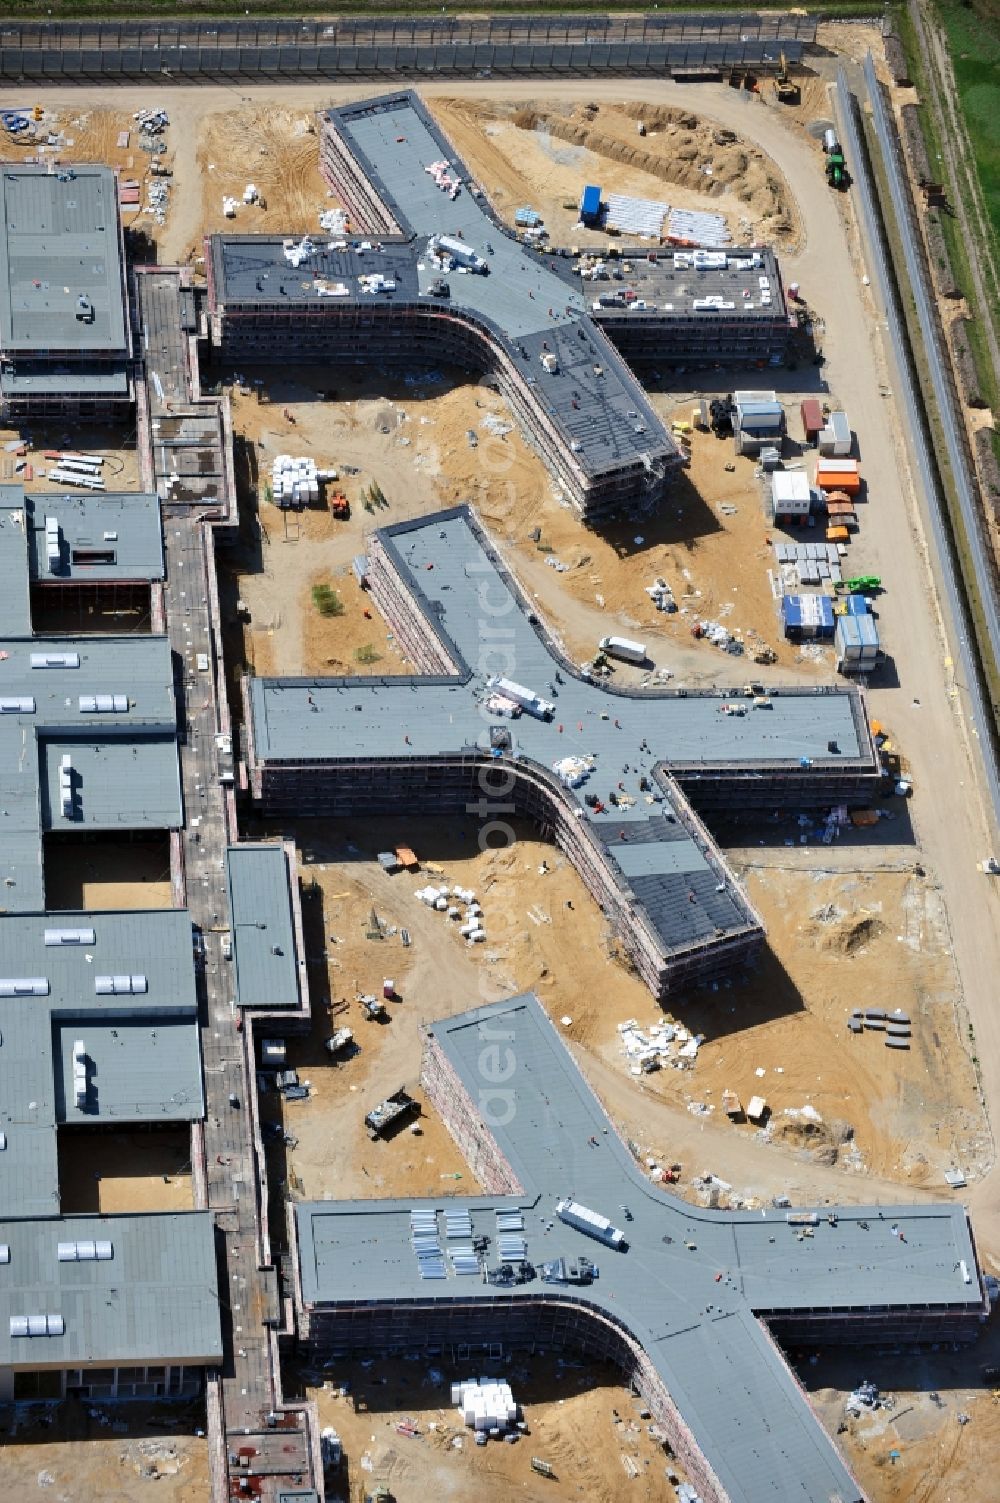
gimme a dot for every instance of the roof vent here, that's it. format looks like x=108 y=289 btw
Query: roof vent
x=37 y=1325
x=69 y=937
x=55 y=660
x=120 y=986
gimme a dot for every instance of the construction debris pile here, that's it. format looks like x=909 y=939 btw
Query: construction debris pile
x=152 y=124
x=866 y=1398
x=692 y=227
x=666 y=1043
x=662 y=595
x=334 y=221
x=451 y=901
x=157 y=199
x=719 y=636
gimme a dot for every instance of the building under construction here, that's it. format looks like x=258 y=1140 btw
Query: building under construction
x=65 y=334
x=445 y=282
x=613 y=776
x=689 y=1303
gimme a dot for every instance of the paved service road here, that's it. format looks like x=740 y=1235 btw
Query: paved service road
x=249 y=1387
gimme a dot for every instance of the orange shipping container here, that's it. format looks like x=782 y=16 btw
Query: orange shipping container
x=849 y=483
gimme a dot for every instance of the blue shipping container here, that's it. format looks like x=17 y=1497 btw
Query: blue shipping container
x=590 y=204
x=857 y=605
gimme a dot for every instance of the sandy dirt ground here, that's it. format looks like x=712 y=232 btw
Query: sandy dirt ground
x=107 y=874
x=847 y=929
x=710 y=541
x=580 y=1420
x=681 y=160
x=913 y=1448
x=88 y=131
x=106 y=1173
x=275 y=149
x=121 y=461
x=115 y=1452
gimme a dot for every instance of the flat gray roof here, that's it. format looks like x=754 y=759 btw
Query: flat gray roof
x=102 y=537
x=264 y=958
x=670 y=868
x=154 y=1300
x=607 y=415
x=142 y=1048
x=60 y=242
x=533 y=304
x=700 y=1331
x=124 y=761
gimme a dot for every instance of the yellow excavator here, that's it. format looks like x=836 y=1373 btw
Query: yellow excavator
x=785 y=87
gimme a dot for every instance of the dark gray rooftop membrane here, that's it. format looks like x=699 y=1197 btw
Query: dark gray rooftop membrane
x=264 y=955
x=124 y=760
x=455 y=578
x=59 y=243
x=103 y=535
x=529 y=304
x=693 y=1281
x=153 y=1300
x=144 y=1061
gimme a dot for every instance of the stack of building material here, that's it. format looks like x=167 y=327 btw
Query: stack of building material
x=446 y=180
x=53 y=545
x=573 y=772
x=297 y=251
x=692 y=227
x=636 y=216
x=295 y=482
x=807 y=564
x=840 y=509
x=485 y=1403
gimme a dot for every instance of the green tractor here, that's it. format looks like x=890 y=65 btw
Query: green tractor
x=836 y=169
x=861 y=584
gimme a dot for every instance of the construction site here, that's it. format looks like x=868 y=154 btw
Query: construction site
x=476 y=683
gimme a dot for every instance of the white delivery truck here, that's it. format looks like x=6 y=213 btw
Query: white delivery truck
x=621 y=647
x=591 y=1223
x=530 y=702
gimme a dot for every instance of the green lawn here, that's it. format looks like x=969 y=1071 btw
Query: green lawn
x=974 y=43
